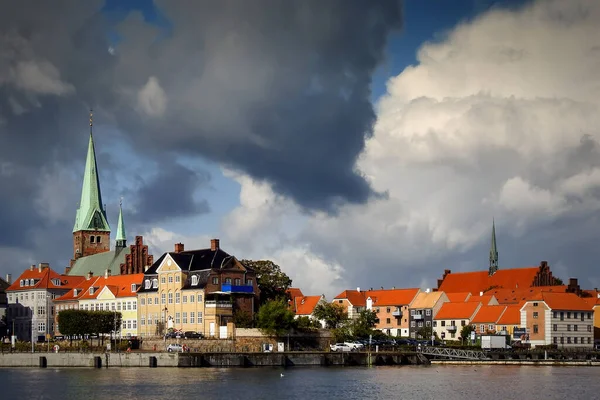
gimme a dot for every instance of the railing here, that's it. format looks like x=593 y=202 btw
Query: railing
x=237 y=288
x=451 y=328
x=397 y=313
x=217 y=304
x=417 y=317
x=454 y=354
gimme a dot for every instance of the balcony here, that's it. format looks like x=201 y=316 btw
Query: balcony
x=397 y=313
x=451 y=328
x=417 y=317
x=217 y=304
x=237 y=288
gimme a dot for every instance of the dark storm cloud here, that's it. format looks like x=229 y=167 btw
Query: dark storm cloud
x=170 y=194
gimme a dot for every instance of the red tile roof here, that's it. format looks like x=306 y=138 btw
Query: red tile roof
x=44 y=279
x=460 y=310
x=306 y=304
x=511 y=316
x=119 y=285
x=81 y=289
x=488 y=315
x=294 y=292
x=458 y=296
x=563 y=301
x=516 y=296
x=480 y=281
x=392 y=297
x=356 y=298
x=485 y=299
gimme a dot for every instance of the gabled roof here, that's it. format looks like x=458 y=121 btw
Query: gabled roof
x=460 y=310
x=99 y=263
x=480 y=281
x=511 y=315
x=488 y=314
x=44 y=279
x=356 y=298
x=119 y=285
x=458 y=296
x=516 y=296
x=305 y=305
x=78 y=291
x=485 y=299
x=563 y=301
x=196 y=260
x=427 y=300
x=392 y=297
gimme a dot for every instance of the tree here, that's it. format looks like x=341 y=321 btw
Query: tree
x=465 y=332
x=333 y=314
x=242 y=319
x=305 y=323
x=83 y=322
x=425 y=332
x=271 y=281
x=364 y=324
x=275 y=318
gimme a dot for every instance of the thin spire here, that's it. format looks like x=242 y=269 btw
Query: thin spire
x=121 y=237
x=493 y=250
x=91 y=214
x=91 y=120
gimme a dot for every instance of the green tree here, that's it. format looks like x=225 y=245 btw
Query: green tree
x=242 y=319
x=306 y=324
x=425 y=332
x=333 y=314
x=271 y=280
x=465 y=332
x=364 y=324
x=275 y=318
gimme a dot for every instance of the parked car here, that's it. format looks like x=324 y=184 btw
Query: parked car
x=354 y=345
x=192 y=335
x=174 y=335
x=175 y=348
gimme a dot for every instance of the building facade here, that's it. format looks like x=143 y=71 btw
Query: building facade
x=422 y=312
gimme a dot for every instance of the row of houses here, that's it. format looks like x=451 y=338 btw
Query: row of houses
x=516 y=302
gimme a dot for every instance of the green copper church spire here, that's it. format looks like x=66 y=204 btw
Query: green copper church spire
x=91 y=215
x=493 y=251
x=121 y=237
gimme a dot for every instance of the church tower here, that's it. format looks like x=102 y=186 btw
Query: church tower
x=121 y=241
x=493 y=251
x=91 y=233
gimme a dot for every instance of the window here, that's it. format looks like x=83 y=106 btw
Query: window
x=92 y=239
x=589 y=315
x=249 y=282
x=133 y=287
x=420 y=324
x=163 y=279
x=143 y=320
x=535 y=329
x=170 y=279
x=236 y=281
x=134 y=305
x=185 y=318
x=575 y=328
x=575 y=315
x=575 y=340
x=435 y=324
x=41 y=310
x=142 y=301
x=568 y=327
x=177 y=278
x=199 y=317
x=452 y=323
x=21 y=283
x=582 y=316
x=163 y=298
x=129 y=305
x=147 y=284
x=481 y=328
x=178 y=318
x=412 y=312
x=568 y=314
x=184 y=299
x=388 y=321
x=134 y=324
x=215 y=280
x=194 y=280
x=387 y=310
x=555 y=327
x=42 y=327
x=192 y=317
x=91 y=290
x=463 y=323
x=443 y=323
x=535 y=304
x=412 y=324
x=155 y=299
x=568 y=339
x=177 y=298
x=555 y=340
x=98 y=239
x=555 y=314
x=562 y=316
x=589 y=328
x=428 y=312
x=562 y=340
x=192 y=298
x=155 y=283
x=170 y=295
x=535 y=314
x=589 y=340
x=228 y=281
x=491 y=327
x=199 y=298
x=101 y=306
x=428 y=324
x=128 y=324
x=504 y=328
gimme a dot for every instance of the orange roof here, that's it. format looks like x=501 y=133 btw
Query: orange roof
x=510 y=316
x=294 y=292
x=485 y=299
x=488 y=314
x=305 y=305
x=481 y=281
x=427 y=300
x=516 y=296
x=460 y=310
x=355 y=297
x=392 y=297
x=80 y=289
x=44 y=279
x=119 y=285
x=563 y=301
x=458 y=296
x=592 y=301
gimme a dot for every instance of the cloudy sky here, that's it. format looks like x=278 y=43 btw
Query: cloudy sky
x=354 y=143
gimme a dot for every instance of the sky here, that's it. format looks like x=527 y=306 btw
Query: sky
x=356 y=144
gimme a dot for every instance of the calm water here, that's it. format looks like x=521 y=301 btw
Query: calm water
x=436 y=382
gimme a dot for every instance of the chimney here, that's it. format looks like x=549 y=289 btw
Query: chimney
x=427 y=290
x=32 y=267
x=214 y=244
x=480 y=294
x=67 y=270
x=43 y=266
x=358 y=289
x=106 y=273
x=393 y=287
x=89 y=275
x=8 y=278
x=178 y=247
x=146 y=268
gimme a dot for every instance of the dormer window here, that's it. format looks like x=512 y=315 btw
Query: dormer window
x=147 y=284
x=56 y=282
x=75 y=292
x=21 y=283
x=91 y=290
x=155 y=283
x=133 y=287
x=194 y=280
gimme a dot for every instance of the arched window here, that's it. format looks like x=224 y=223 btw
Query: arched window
x=155 y=283
x=92 y=239
x=21 y=283
x=194 y=280
x=148 y=284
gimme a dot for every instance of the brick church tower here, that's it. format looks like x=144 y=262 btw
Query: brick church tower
x=91 y=233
